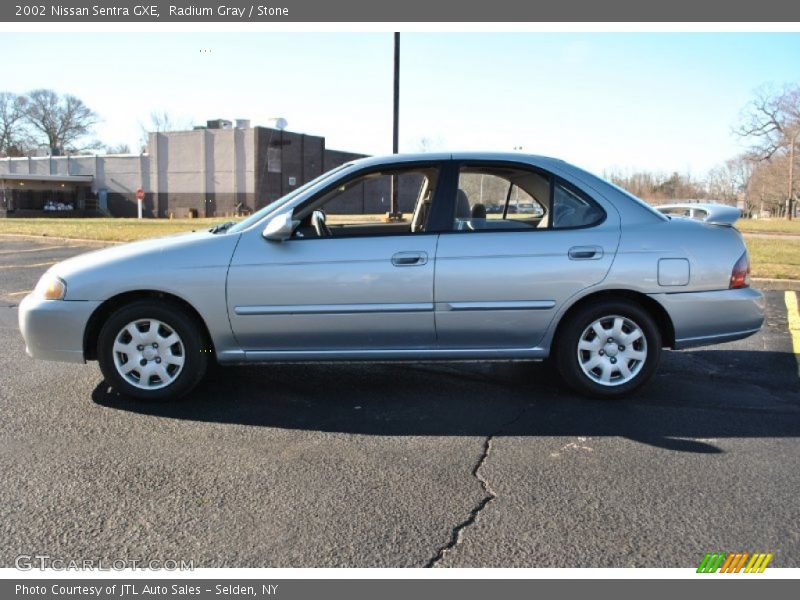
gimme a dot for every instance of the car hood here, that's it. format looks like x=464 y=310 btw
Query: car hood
x=127 y=251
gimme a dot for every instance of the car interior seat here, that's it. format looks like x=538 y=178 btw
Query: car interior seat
x=478 y=211
x=462 y=205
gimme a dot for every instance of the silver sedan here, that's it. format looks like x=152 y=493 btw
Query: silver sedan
x=409 y=258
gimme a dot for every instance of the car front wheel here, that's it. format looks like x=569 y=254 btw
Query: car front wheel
x=151 y=350
x=608 y=349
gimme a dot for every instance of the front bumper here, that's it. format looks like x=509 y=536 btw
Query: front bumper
x=54 y=329
x=702 y=318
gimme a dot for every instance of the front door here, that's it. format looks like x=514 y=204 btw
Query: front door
x=350 y=282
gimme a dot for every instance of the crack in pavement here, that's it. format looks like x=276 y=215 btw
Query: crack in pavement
x=489 y=495
x=455 y=536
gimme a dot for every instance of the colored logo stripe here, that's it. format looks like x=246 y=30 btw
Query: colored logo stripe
x=711 y=562
x=734 y=562
x=729 y=562
x=758 y=563
x=745 y=556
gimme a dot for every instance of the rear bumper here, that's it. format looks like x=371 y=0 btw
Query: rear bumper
x=703 y=318
x=53 y=329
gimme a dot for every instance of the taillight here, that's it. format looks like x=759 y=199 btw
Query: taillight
x=740 y=276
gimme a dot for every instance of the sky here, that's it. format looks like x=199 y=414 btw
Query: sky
x=625 y=101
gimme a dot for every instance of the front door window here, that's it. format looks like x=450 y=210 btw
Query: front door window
x=386 y=202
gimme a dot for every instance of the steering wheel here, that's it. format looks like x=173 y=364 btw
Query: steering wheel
x=318 y=221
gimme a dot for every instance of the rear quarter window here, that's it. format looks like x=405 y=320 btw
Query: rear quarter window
x=572 y=208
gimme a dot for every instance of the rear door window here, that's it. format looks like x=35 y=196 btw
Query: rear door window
x=497 y=198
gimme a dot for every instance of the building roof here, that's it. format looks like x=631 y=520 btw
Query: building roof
x=47 y=178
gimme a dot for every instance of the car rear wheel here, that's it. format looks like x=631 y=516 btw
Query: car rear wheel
x=608 y=349
x=151 y=350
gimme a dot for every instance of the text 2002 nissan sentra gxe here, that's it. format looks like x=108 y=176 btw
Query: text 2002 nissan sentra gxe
x=495 y=256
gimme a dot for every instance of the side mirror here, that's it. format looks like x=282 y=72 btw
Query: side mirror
x=279 y=228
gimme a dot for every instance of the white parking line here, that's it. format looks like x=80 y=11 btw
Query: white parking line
x=44 y=264
x=793 y=316
x=22 y=293
x=43 y=248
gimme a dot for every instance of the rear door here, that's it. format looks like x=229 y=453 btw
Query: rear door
x=521 y=243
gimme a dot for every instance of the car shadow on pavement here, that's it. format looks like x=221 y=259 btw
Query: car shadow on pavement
x=696 y=397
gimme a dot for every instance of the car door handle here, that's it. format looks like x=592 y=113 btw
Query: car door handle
x=585 y=252
x=409 y=259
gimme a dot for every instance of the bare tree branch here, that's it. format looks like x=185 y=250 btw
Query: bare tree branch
x=63 y=121
x=772 y=122
x=161 y=121
x=770 y=118
x=13 y=134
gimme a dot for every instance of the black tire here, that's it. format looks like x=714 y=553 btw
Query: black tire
x=192 y=345
x=568 y=359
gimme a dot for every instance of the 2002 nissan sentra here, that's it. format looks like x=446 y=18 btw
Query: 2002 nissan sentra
x=564 y=265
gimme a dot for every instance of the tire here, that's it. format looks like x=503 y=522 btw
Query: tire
x=156 y=340
x=616 y=364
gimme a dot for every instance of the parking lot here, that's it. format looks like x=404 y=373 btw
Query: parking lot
x=453 y=465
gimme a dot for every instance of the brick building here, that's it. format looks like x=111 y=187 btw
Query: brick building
x=210 y=171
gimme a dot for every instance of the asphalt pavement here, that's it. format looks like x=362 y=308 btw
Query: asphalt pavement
x=445 y=465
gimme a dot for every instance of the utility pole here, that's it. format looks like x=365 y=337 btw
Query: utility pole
x=396 y=114
x=394 y=213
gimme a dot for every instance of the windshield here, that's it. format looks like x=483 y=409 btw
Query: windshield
x=260 y=214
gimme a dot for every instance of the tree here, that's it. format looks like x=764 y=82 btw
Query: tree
x=13 y=133
x=730 y=181
x=160 y=121
x=772 y=121
x=426 y=144
x=658 y=188
x=62 y=121
x=766 y=189
x=118 y=149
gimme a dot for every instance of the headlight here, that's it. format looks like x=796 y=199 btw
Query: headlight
x=50 y=287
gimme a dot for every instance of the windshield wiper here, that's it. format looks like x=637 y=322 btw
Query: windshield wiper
x=222 y=227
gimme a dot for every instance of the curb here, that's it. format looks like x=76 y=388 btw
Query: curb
x=771 y=233
x=776 y=284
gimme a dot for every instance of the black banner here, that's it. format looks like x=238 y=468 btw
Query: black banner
x=406 y=11
x=385 y=589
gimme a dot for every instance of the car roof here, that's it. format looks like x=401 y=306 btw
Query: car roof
x=389 y=159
